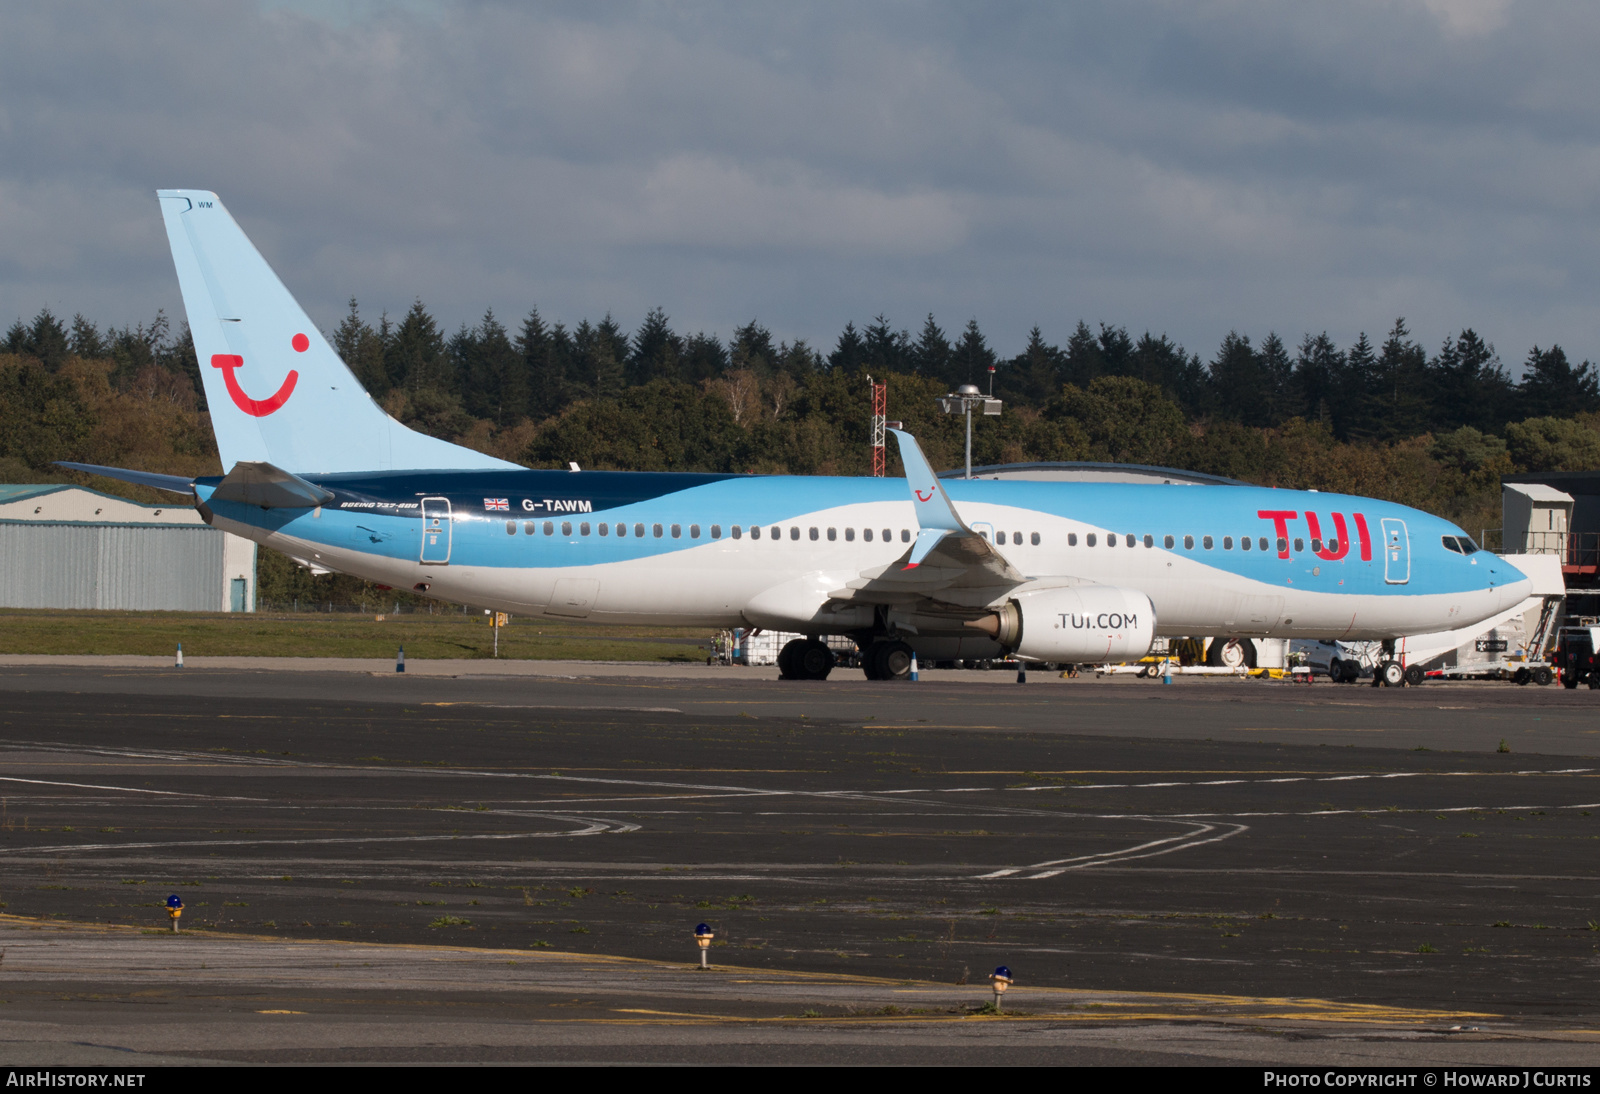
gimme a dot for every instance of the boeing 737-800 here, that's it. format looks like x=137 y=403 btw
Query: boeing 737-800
x=1054 y=572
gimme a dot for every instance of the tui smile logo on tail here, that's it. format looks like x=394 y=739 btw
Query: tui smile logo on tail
x=258 y=408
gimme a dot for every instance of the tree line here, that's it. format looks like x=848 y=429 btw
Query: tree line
x=1431 y=429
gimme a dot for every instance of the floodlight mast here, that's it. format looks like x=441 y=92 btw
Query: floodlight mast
x=962 y=400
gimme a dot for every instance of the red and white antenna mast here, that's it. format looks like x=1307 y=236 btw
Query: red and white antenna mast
x=880 y=409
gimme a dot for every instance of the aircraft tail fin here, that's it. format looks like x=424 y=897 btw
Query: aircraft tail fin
x=278 y=392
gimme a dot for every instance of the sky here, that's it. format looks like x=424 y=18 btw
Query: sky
x=1186 y=168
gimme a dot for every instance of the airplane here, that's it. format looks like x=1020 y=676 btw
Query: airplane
x=1061 y=572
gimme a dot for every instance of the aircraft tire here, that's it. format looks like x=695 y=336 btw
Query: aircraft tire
x=814 y=660
x=1352 y=670
x=1414 y=675
x=1392 y=674
x=1231 y=653
x=788 y=657
x=890 y=661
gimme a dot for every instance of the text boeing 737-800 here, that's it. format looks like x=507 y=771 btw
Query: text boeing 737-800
x=1063 y=572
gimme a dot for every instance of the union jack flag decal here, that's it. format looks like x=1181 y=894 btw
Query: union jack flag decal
x=502 y=505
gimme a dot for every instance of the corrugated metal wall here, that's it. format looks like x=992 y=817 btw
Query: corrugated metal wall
x=111 y=566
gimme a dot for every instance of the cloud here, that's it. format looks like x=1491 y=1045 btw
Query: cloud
x=1187 y=167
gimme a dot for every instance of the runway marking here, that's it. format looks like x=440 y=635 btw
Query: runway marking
x=1309 y=778
x=1139 y=851
x=128 y=789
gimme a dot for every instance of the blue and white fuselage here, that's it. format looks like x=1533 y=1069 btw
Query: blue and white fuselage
x=663 y=548
x=1047 y=571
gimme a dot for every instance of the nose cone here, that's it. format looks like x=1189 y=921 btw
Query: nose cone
x=1510 y=585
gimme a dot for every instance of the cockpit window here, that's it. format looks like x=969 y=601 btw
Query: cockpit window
x=1461 y=545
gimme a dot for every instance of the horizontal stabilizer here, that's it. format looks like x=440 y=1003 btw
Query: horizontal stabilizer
x=269 y=487
x=177 y=484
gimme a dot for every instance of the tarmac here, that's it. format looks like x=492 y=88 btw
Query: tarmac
x=460 y=865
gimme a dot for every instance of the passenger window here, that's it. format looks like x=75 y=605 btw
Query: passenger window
x=1034 y=539
x=605 y=529
x=583 y=529
x=1283 y=545
x=1149 y=541
x=694 y=531
x=905 y=535
x=1072 y=539
x=1000 y=538
x=1206 y=542
x=655 y=530
x=511 y=527
x=1244 y=543
x=1299 y=545
x=566 y=527
x=815 y=535
x=716 y=531
x=1188 y=543
x=1316 y=544
x=677 y=531
x=622 y=530
x=1111 y=540
x=529 y=528
x=1227 y=543
x=1130 y=541
x=1262 y=543
x=849 y=535
x=866 y=534
x=888 y=535
x=777 y=533
x=1090 y=539
x=735 y=531
x=833 y=534
x=1167 y=542
x=794 y=533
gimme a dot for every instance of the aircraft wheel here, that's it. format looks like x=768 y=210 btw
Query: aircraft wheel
x=788 y=660
x=814 y=660
x=1392 y=675
x=1542 y=676
x=1352 y=670
x=1414 y=675
x=1231 y=653
x=890 y=660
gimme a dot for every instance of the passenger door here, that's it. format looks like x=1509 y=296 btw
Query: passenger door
x=1396 y=552
x=436 y=531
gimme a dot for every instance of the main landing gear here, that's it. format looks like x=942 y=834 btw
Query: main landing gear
x=805 y=659
x=887 y=661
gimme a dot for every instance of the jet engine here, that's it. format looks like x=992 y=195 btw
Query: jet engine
x=1082 y=623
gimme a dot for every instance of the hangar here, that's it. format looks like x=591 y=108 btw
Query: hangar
x=71 y=547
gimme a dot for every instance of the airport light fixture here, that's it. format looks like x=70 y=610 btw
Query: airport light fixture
x=1001 y=979
x=174 y=910
x=963 y=400
x=703 y=935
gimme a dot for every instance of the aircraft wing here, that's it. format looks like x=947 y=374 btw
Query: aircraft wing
x=946 y=556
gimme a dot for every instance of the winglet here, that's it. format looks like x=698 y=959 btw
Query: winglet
x=933 y=508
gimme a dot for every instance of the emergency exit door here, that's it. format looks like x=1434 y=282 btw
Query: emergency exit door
x=436 y=531
x=1396 y=552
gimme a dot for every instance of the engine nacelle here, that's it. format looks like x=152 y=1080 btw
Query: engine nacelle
x=1082 y=623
